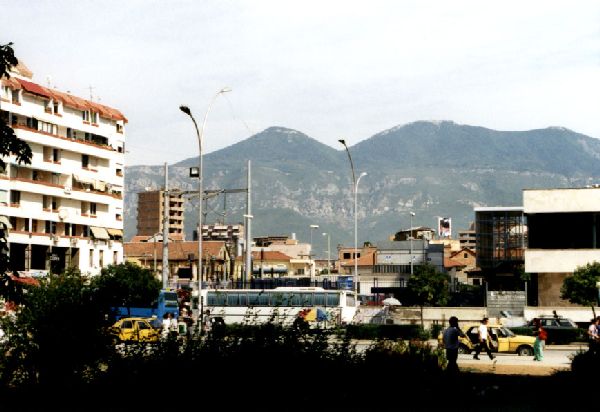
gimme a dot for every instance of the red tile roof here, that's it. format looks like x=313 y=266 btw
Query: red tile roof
x=72 y=101
x=449 y=263
x=177 y=250
x=267 y=255
x=365 y=260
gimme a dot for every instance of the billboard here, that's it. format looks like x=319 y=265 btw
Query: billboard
x=444 y=227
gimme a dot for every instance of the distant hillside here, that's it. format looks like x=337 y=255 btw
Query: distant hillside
x=431 y=168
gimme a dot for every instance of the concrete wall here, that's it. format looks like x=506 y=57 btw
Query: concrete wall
x=562 y=260
x=549 y=285
x=412 y=315
x=561 y=200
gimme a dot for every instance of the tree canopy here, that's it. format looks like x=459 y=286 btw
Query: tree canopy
x=428 y=287
x=580 y=288
x=126 y=285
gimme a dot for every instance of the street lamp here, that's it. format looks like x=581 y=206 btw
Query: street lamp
x=312 y=265
x=412 y=214
x=200 y=136
x=328 y=252
x=355 y=188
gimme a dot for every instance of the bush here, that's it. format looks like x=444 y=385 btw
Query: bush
x=393 y=332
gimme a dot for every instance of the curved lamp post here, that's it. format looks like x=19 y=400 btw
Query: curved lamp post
x=355 y=188
x=200 y=135
x=412 y=214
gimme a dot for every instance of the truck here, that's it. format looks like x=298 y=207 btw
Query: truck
x=166 y=302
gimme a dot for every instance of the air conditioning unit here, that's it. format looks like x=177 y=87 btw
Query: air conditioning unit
x=68 y=190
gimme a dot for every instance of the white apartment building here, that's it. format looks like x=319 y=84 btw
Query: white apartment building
x=66 y=207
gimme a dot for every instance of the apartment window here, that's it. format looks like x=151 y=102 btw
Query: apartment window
x=16 y=97
x=54 y=205
x=119 y=172
x=94 y=117
x=101 y=258
x=300 y=271
x=115 y=257
x=85 y=231
x=466 y=255
x=56 y=107
x=118 y=217
x=92 y=209
x=85 y=115
x=50 y=227
x=32 y=123
x=119 y=128
x=15 y=198
x=3 y=197
x=47 y=128
x=47 y=203
x=69 y=229
x=70 y=133
x=85 y=161
x=5 y=92
x=347 y=255
x=56 y=155
x=91 y=258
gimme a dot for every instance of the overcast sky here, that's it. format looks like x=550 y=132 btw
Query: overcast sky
x=330 y=69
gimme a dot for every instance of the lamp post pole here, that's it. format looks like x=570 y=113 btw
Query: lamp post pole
x=328 y=253
x=354 y=187
x=412 y=214
x=312 y=264
x=356 y=231
x=200 y=136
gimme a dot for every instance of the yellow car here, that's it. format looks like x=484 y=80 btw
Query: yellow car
x=502 y=340
x=135 y=330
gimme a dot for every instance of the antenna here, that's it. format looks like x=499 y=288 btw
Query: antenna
x=49 y=81
x=91 y=88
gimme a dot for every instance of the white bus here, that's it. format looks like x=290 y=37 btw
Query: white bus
x=283 y=305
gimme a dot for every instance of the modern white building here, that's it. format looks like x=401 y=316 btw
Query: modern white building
x=564 y=234
x=66 y=207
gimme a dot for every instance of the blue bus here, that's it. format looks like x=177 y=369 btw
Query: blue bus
x=166 y=302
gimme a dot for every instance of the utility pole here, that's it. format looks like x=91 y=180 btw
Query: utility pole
x=165 y=260
x=248 y=216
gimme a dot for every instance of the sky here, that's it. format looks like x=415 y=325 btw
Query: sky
x=330 y=69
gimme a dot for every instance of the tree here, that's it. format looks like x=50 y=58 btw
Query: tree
x=126 y=285
x=429 y=287
x=10 y=144
x=58 y=336
x=580 y=288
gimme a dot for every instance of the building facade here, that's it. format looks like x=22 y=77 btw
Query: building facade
x=564 y=233
x=150 y=211
x=66 y=207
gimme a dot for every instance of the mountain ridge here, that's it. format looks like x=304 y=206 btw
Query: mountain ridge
x=433 y=168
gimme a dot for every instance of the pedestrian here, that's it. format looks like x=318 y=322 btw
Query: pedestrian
x=593 y=337
x=540 y=340
x=451 y=343
x=173 y=328
x=483 y=340
x=166 y=324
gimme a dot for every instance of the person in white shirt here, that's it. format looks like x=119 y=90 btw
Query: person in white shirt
x=483 y=340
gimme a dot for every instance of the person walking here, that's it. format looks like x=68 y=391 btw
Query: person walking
x=483 y=340
x=540 y=340
x=593 y=336
x=451 y=343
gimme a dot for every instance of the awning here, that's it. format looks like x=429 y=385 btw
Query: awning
x=115 y=233
x=99 y=233
x=83 y=179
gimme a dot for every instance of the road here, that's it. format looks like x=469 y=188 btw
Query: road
x=556 y=357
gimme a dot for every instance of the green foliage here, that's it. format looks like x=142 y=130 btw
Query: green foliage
x=580 y=288
x=9 y=145
x=57 y=337
x=372 y=331
x=428 y=286
x=126 y=285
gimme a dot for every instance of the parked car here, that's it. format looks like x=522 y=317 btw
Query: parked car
x=503 y=340
x=560 y=329
x=135 y=330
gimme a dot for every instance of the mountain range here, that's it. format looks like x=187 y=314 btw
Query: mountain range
x=431 y=168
